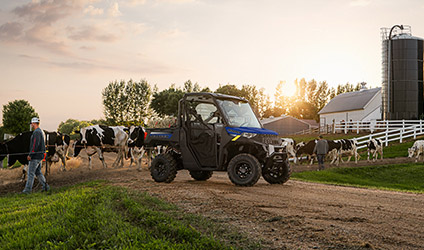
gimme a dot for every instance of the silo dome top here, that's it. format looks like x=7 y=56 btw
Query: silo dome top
x=405 y=36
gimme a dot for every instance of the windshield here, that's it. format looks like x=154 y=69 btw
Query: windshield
x=239 y=113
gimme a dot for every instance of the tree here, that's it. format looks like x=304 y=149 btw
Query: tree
x=126 y=103
x=165 y=102
x=17 y=116
x=69 y=126
x=229 y=89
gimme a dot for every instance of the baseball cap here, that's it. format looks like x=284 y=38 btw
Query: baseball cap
x=35 y=120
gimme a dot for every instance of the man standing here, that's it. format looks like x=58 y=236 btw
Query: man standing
x=37 y=150
x=321 y=149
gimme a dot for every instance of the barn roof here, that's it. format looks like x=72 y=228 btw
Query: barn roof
x=350 y=101
x=311 y=123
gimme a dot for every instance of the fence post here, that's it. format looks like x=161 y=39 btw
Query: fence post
x=403 y=123
x=421 y=126
x=415 y=132
x=387 y=138
x=401 y=135
x=357 y=127
x=387 y=125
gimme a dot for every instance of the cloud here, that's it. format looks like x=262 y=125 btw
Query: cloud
x=87 y=48
x=114 y=10
x=93 y=11
x=136 y=2
x=47 y=12
x=11 y=30
x=90 y=33
x=360 y=3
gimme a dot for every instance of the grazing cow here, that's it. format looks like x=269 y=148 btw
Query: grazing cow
x=417 y=149
x=349 y=148
x=289 y=145
x=99 y=139
x=18 y=149
x=308 y=149
x=375 y=147
x=334 y=149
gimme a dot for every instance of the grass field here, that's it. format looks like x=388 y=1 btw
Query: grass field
x=98 y=216
x=401 y=177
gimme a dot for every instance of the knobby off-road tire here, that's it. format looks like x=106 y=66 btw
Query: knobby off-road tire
x=201 y=175
x=277 y=173
x=164 y=168
x=244 y=170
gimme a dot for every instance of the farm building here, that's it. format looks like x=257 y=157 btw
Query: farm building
x=287 y=125
x=362 y=105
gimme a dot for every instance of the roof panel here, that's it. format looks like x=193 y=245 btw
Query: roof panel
x=350 y=101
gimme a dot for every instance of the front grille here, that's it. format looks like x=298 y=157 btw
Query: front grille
x=269 y=139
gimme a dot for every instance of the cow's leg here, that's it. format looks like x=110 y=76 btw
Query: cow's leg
x=357 y=156
x=350 y=157
x=46 y=172
x=368 y=158
x=149 y=158
x=140 y=158
x=24 y=171
x=131 y=153
x=381 y=153
x=117 y=159
x=89 y=162
x=101 y=157
x=122 y=156
x=374 y=156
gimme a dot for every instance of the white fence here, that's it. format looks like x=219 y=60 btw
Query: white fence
x=372 y=126
x=390 y=135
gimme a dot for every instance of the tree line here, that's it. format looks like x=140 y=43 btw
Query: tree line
x=131 y=102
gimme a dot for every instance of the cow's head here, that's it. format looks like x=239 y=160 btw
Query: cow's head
x=136 y=135
x=411 y=151
x=299 y=146
x=132 y=134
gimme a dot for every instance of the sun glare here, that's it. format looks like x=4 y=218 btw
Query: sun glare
x=289 y=89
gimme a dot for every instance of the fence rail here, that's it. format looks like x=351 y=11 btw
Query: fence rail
x=372 y=126
x=391 y=135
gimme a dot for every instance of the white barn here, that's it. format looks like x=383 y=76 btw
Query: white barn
x=362 y=105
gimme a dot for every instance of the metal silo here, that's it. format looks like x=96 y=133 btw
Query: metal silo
x=402 y=74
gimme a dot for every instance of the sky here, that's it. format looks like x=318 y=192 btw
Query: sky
x=59 y=54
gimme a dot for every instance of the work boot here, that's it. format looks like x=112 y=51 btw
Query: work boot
x=46 y=188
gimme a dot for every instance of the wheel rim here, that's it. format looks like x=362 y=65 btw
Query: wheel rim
x=160 y=169
x=243 y=170
x=275 y=171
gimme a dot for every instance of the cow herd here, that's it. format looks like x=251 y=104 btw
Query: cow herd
x=337 y=149
x=129 y=143
x=126 y=142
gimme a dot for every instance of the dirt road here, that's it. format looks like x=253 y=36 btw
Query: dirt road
x=294 y=215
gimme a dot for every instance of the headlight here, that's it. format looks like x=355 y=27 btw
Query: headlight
x=248 y=135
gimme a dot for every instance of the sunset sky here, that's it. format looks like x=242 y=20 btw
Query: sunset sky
x=60 y=54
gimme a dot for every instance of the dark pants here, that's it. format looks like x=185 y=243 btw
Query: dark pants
x=320 y=161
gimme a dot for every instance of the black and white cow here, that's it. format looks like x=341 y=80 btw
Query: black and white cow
x=416 y=150
x=289 y=144
x=375 y=147
x=334 y=150
x=17 y=149
x=349 y=148
x=99 y=139
x=136 y=148
x=307 y=149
